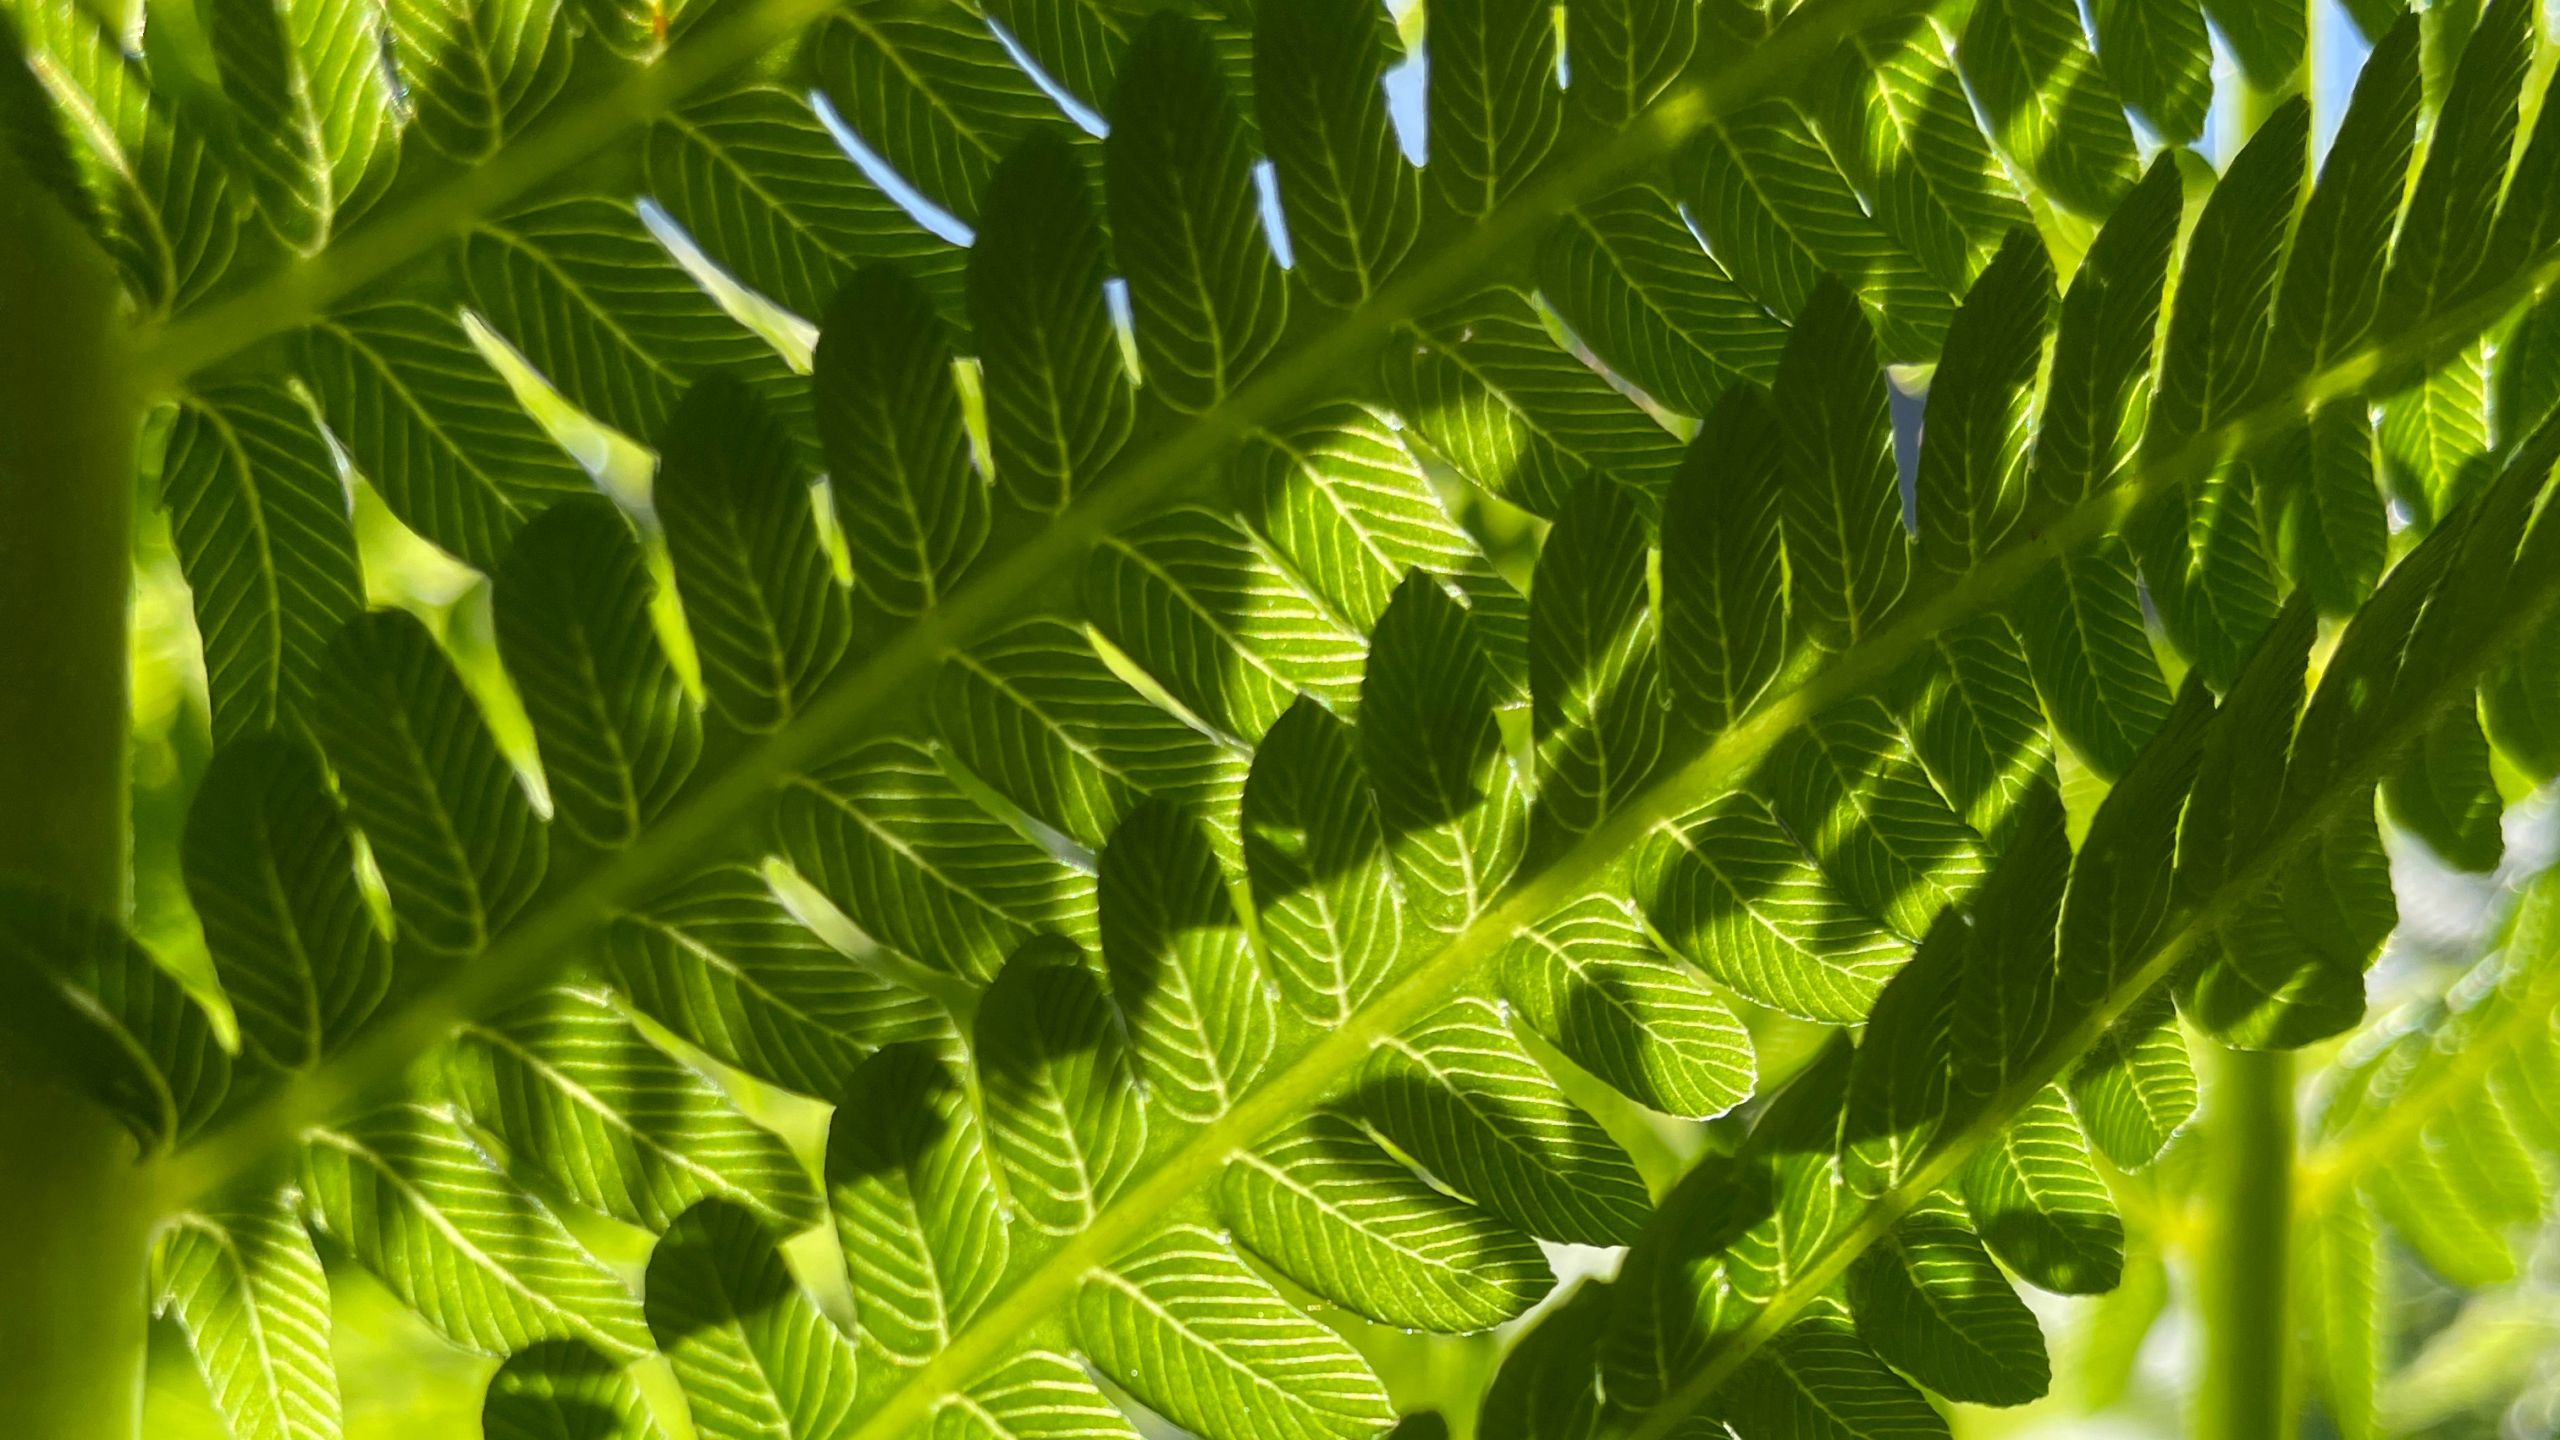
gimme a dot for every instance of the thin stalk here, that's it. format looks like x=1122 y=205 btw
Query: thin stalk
x=74 y=1207
x=2245 y=1282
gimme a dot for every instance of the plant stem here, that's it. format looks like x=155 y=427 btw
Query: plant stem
x=2245 y=1280
x=75 y=1210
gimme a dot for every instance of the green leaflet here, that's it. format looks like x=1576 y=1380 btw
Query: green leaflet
x=458 y=844
x=1458 y=1093
x=1210 y=299
x=1322 y=1203
x=1901 y=1089
x=2205 y=563
x=1343 y=503
x=416 y=1203
x=2268 y=40
x=1590 y=981
x=1079 y=43
x=2529 y=220
x=1897 y=119
x=2456 y=1193
x=2526 y=381
x=1816 y=1380
x=755 y=1357
x=2442 y=792
x=2330 y=532
x=2102 y=349
x=2444 y=240
x=1627 y=274
x=2122 y=881
x=1183 y=975
x=564 y=1390
x=477 y=72
x=1036 y=1396
x=1723 y=609
x=1063 y=1111
x=1035 y=713
x=2435 y=438
x=916 y=1207
x=574 y=1091
x=1352 y=204
x=2009 y=998
x=424 y=419
x=891 y=841
x=158 y=204
x=1494 y=107
x=1485 y=386
x=2134 y=1088
x=1968 y=707
x=2334 y=274
x=719 y=961
x=1971 y=487
x=1779 y=214
x=1332 y=916
x=2049 y=103
x=247 y=1288
x=913 y=510
x=1848 y=555
x=2520 y=705
x=1210 y=1345
x=2038 y=1203
x=2227 y=283
x=936 y=97
x=1727 y=888
x=1059 y=405
x=1625 y=52
x=754 y=177
x=1849 y=789
x=270 y=866
x=1547 y=1386
x=1454 y=812
x=2241 y=772
x=313 y=119
x=1929 y=1299
x=600 y=308
x=1206 y=613
x=2342 y=1294
x=618 y=734
x=2161 y=61
x=84 y=999
x=258 y=517
x=768 y=618
x=1598 y=715
x=1731 y=1235
x=2080 y=619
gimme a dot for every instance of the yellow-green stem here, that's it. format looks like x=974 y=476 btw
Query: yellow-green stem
x=2244 y=1282
x=74 y=1207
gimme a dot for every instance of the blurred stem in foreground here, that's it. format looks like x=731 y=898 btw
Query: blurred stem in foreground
x=2243 y=1282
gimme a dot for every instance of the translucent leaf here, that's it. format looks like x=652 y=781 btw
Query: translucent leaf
x=1597 y=712
x=888 y=838
x=1352 y=204
x=477 y=72
x=1929 y=1299
x=912 y=507
x=458 y=844
x=755 y=1357
x=618 y=734
x=1971 y=484
x=1322 y=1203
x=2081 y=621
x=247 y=1288
x=2103 y=348
x=1898 y=121
x=2333 y=275
x=312 y=112
x=270 y=866
x=916 y=1208
x=424 y=418
x=2135 y=1087
x=719 y=961
x=2161 y=61
x=489 y=1267
x=1494 y=106
x=1851 y=790
x=1459 y=1094
x=1183 y=977
x=1724 y=624
x=2444 y=238
x=1591 y=982
x=578 y=1095
x=2039 y=1204
x=1209 y=297
x=1042 y=1395
x=1848 y=556
x=2048 y=101
x=1627 y=274
x=768 y=618
x=930 y=90
x=1063 y=1113
x=1815 y=1380
x=1547 y=1387
x=1211 y=1346
x=258 y=517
